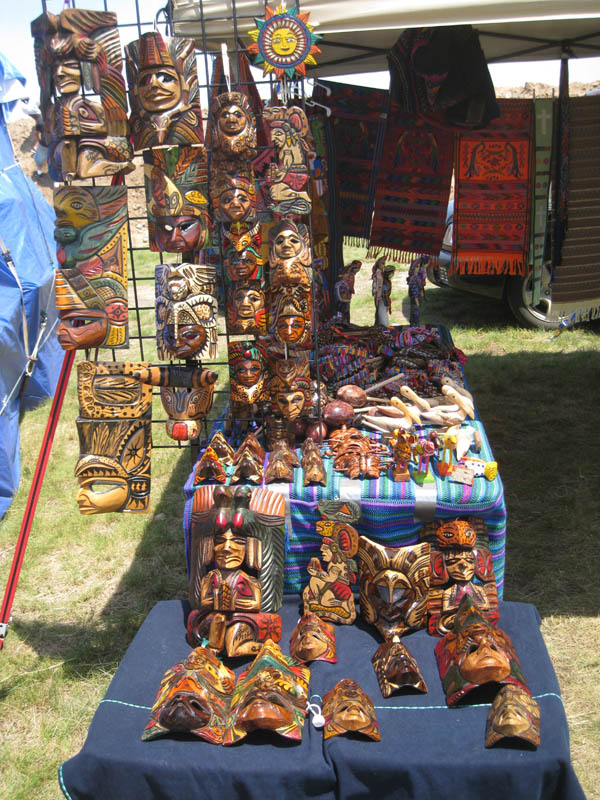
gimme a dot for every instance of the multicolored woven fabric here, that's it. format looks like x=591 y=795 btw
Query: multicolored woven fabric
x=358 y=119
x=413 y=189
x=492 y=200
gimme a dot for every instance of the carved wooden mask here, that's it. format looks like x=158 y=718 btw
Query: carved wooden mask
x=115 y=438
x=290 y=257
x=163 y=91
x=186 y=311
x=396 y=668
x=394 y=582
x=91 y=281
x=476 y=653
x=514 y=715
x=194 y=697
x=80 y=50
x=347 y=708
x=176 y=181
x=233 y=126
x=247 y=372
x=234 y=196
x=287 y=179
x=290 y=316
x=313 y=640
x=270 y=695
x=289 y=386
x=246 y=309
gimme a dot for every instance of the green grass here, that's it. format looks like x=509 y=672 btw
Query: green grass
x=88 y=582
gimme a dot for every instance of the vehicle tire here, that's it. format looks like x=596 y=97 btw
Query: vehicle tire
x=519 y=296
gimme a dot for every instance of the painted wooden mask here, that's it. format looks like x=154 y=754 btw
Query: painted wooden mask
x=461 y=563
x=234 y=196
x=313 y=640
x=475 y=654
x=233 y=126
x=186 y=311
x=287 y=179
x=290 y=316
x=396 y=668
x=246 y=311
x=91 y=281
x=163 y=91
x=289 y=386
x=115 y=438
x=80 y=50
x=270 y=695
x=329 y=590
x=514 y=715
x=176 y=181
x=247 y=372
x=394 y=582
x=290 y=255
x=347 y=708
x=194 y=697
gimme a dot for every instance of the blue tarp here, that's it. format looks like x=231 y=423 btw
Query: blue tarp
x=26 y=229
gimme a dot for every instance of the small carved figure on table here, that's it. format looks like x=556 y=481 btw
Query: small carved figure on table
x=329 y=590
x=402 y=444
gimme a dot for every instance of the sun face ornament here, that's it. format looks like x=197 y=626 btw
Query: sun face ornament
x=284 y=42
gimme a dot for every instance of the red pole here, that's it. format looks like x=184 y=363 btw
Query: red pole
x=34 y=493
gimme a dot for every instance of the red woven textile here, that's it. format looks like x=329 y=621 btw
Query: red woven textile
x=493 y=194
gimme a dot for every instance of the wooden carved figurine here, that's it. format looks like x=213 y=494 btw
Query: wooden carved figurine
x=396 y=668
x=194 y=697
x=186 y=394
x=290 y=256
x=287 y=179
x=329 y=590
x=91 y=281
x=474 y=654
x=176 y=181
x=461 y=564
x=514 y=715
x=163 y=91
x=238 y=537
x=115 y=439
x=401 y=443
x=270 y=695
x=186 y=311
x=78 y=54
x=313 y=640
x=290 y=316
x=233 y=127
x=347 y=708
x=246 y=309
x=394 y=582
x=313 y=467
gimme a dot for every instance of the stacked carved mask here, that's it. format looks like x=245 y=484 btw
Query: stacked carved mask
x=186 y=311
x=115 y=439
x=329 y=590
x=347 y=708
x=176 y=180
x=289 y=386
x=394 y=582
x=474 y=654
x=163 y=91
x=396 y=668
x=238 y=537
x=194 y=697
x=233 y=127
x=248 y=372
x=91 y=282
x=186 y=395
x=461 y=564
x=270 y=695
x=80 y=50
x=287 y=178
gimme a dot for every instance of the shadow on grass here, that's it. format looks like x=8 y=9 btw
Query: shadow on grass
x=157 y=572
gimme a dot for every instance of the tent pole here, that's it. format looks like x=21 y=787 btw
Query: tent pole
x=34 y=493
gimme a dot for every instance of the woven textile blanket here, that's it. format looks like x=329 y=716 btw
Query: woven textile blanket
x=413 y=189
x=492 y=201
x=358 y=120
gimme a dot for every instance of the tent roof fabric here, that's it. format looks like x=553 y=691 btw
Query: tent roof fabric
x=357 y=34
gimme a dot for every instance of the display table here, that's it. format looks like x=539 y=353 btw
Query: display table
x=426 y=750
x=392 y=512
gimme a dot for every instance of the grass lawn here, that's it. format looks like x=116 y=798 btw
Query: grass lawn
x=88 y=582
